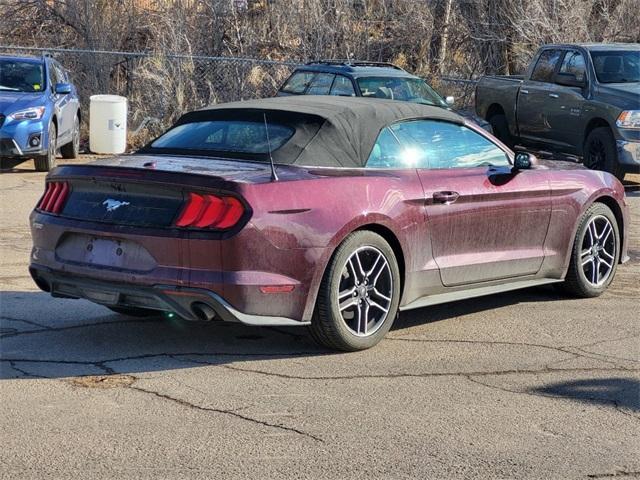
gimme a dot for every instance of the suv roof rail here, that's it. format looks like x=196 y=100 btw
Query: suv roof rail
x=353 y=63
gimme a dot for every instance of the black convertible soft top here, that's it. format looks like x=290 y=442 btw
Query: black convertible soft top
x=331 y=131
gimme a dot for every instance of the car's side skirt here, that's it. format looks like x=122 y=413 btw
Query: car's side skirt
x=466 y=293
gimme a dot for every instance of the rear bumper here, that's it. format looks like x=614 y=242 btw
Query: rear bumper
x=183 y=301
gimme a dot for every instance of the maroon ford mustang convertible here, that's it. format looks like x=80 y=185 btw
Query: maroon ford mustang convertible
x=330 y=212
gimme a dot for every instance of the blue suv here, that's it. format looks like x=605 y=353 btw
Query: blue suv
x=39 y=111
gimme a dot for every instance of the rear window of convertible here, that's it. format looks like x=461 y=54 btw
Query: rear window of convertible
x=241 y=136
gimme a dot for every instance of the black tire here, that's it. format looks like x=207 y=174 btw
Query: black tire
x=135 y=312
x=500 y=128
x=576 y=282
x=72 y=149
x=600 y=152
x=328 y=327
x=48 y=161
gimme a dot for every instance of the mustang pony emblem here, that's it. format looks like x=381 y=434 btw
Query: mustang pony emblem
x=112 y=204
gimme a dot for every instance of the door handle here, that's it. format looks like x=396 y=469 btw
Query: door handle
x=526 y=92
x=445 y=197
x=554 y=95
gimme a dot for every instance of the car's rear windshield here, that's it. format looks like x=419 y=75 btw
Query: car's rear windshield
x=226 y=136
x=238 y=133
x=21 y=76
x=406 y=89
x=617 y=66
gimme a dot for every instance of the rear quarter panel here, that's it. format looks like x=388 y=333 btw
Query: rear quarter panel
x=301 y=222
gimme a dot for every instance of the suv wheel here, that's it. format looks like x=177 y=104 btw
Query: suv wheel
x=600 y=152
x=72 y=149
x=359 y=295
x=46 y=162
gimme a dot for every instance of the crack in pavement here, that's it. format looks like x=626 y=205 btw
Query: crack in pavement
x=617 y=473
x=599 y=342
x=28 y=322
x=225 y=412
x=562 y=349
x=110 y=371
x=429 y=374
x=47 y=329
x=604 y=355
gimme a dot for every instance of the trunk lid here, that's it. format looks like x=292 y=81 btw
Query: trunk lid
x=231 y=170
x=149 y=191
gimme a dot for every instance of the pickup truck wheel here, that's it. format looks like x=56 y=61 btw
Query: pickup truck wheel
x=600 y=152
x=501 y=129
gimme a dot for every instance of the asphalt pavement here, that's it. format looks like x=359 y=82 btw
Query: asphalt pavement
x=526 y=384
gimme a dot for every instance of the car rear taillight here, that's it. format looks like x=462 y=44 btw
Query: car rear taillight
x=54 y=197
x=210 y=211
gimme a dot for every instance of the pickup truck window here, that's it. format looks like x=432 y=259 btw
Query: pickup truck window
x=573 y=63
x=616 y=66
x=546 y=66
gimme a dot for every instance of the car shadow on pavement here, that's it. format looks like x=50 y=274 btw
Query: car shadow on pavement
x=436 y=313
x=45 y=337
x=622 y=392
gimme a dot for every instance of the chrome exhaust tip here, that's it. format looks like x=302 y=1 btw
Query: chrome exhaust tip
x=202 y=311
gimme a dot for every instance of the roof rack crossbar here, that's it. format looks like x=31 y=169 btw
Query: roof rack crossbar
x=353 y=63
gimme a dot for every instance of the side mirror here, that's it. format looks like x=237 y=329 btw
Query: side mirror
x=63 y=88
x=524 y=161
x=450 y=101
x=570 y=80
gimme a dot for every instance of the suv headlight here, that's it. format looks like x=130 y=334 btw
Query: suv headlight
x=629 y=119
x=33 y=113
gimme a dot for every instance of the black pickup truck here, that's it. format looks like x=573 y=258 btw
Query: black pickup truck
x=581 y=100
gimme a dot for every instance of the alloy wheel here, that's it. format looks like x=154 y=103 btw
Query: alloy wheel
x=365 y=291
x=598 y=252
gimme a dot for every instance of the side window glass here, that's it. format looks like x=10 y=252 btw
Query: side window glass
x=386 y=152
x=545 y=67
x=434 y=144
x=343 y=87
x=62 y=73
x=456 y=146
x=321 y=84
x=415 y=137
x=53 y=76
x=62 y=78
x=573 y=63
x=298 y=82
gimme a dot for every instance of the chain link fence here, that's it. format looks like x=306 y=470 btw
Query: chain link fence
x=162 y=86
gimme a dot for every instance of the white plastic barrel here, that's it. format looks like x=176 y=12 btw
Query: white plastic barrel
x=107 y=124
